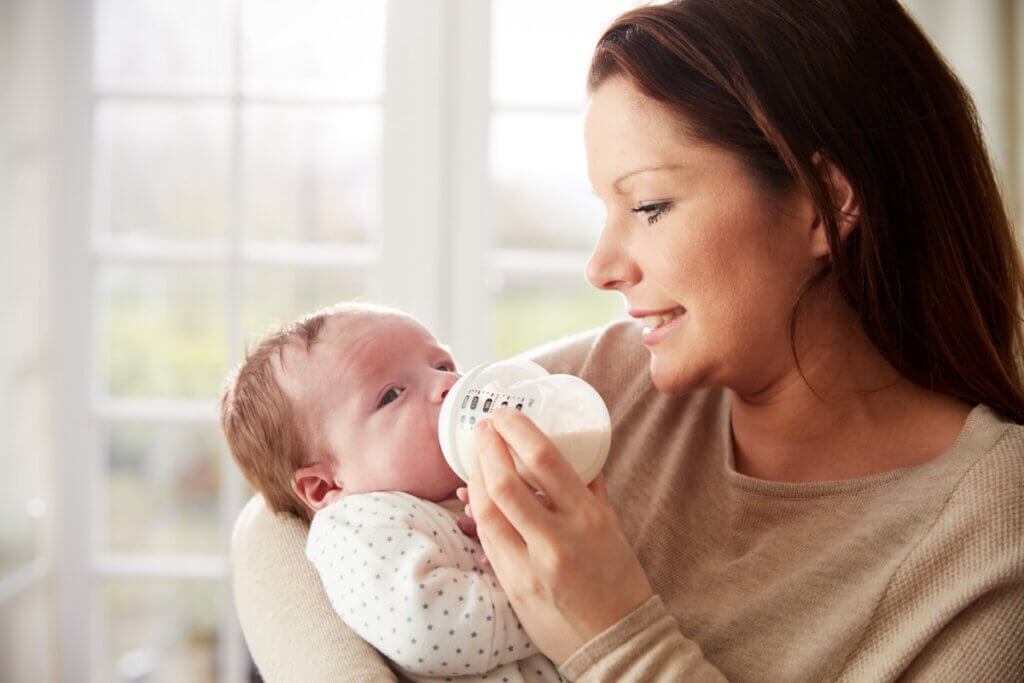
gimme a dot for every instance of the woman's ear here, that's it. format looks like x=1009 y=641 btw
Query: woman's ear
x=843 y=198
x=316 y=485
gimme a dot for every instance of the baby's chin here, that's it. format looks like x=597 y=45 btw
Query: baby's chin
x=442 y=486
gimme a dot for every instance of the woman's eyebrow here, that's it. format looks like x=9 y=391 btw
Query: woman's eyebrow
x=646 y=169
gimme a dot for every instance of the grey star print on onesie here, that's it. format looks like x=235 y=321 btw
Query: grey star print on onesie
x=399 y=572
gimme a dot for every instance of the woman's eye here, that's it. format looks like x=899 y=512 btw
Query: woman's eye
x=653 y=211
x=390 y=395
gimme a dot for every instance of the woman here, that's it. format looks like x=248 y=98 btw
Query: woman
x=817 y=462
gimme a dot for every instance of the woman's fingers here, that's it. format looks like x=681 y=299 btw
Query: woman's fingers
x=499 y=538
x=513 y=497
x=546 y=465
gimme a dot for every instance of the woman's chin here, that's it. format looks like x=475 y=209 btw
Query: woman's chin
x=672 y=380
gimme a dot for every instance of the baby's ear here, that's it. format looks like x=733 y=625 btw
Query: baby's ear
x=316 y=486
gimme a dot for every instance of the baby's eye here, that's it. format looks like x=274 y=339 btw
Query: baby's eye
x=446 y=367
x=390 y=395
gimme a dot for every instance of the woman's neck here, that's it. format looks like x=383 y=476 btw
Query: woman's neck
x=860 y=418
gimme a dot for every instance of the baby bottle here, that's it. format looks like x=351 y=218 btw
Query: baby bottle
x=568 y=410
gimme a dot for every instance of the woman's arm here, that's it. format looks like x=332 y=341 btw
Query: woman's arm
x=644 y=645
x=986 y=641
x=567 y=568
x=289 y=626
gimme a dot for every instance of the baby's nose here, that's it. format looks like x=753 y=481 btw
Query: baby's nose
x=446 y=384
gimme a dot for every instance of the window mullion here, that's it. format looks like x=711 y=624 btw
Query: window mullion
x=231 y=645
x=467 y=304
x=413 y=226
x=76 y=504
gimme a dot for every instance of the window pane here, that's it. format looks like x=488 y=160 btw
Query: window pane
x=162 y=488
x=541 y=50
x=542 y=205
x=161 y=631
x=161 y=171
x=275 y=295
x=310 y=174
x=162 y=44
x=532 y=310
x=162 y=331
x=315 y=48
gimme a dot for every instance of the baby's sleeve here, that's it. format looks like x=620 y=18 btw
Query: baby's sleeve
x=400 y=573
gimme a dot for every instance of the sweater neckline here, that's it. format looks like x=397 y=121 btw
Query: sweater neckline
x=970 y=439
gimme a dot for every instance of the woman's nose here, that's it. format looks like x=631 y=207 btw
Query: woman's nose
x=608 y=266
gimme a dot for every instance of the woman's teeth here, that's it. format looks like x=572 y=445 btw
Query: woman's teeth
x=653 y=322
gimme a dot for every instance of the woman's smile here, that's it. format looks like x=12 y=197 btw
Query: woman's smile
x=657 y=328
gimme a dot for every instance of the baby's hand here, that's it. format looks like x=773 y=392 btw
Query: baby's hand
x=467 y=524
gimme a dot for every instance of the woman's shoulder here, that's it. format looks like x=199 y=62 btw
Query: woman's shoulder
x=612 y=358
x=597 y=348
x=992 y=484
x=978 y=529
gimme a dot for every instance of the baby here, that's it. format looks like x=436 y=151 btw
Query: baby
x=334 y=419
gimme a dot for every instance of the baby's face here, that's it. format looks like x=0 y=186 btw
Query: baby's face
x=372 y=388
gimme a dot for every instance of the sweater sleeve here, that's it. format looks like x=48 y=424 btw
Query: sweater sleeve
x=289 y=627
x=986 y=639
x=400 y=574
x=646 y=645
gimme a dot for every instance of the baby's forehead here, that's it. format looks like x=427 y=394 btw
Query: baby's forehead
x=353 y=345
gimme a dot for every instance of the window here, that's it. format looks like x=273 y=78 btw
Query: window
x=546 y=219
x=242 y=165
x=234 y=183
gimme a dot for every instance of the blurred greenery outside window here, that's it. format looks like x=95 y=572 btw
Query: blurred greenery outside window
x=198 y=202
x=183 y=174
x=542 y=197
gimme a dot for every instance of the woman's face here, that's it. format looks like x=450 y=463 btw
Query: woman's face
x=690 y=231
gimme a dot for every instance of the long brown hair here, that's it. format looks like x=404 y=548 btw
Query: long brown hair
x=932 y=268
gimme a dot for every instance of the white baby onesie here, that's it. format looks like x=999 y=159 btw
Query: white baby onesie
x=399 y=572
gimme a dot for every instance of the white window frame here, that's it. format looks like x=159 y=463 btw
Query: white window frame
x=435 y=176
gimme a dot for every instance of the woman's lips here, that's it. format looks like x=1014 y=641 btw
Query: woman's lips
x=653 y=335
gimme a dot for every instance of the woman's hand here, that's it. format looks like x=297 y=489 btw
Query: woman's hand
x=564 y=563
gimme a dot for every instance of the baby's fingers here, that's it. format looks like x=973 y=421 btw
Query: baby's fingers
x=467 y=525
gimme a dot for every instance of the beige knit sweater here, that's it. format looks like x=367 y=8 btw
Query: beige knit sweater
x=917 y=572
